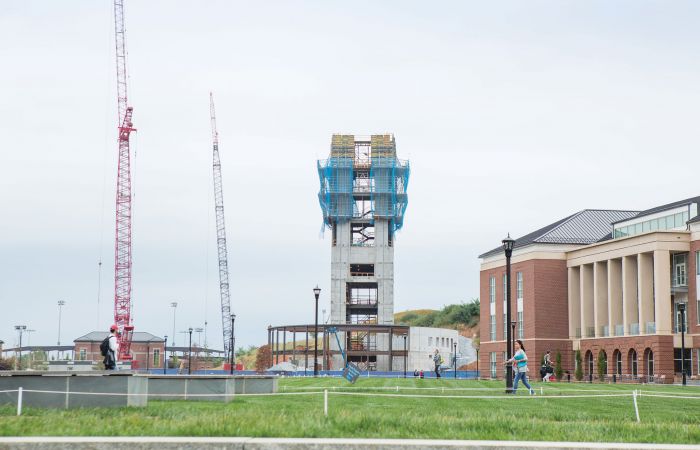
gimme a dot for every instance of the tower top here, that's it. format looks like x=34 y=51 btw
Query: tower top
x=363 y=169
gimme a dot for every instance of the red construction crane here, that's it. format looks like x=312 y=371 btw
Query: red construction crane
x=227 y=317
x=122 y=246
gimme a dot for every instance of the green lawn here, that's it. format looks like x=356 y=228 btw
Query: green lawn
x=552 y=416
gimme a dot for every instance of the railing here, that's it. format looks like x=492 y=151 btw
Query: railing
x=605 y=331
x=619 y=329
x=578 y=333
x=651 y=328
x=634 y=329
x=590 y=332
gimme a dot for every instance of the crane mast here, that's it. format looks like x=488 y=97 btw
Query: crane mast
x=122 y=246
x=227 y=324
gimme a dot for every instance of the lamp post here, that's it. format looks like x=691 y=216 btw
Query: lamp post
x=165 y=354
x=405 y=356
x=454 y=344
x=233 y=345
x=512 y=342
x=317 y=292
x=61 y=303
x=508 y=243
x=475 y=344
x=681 y=309
x=189 y=353
x=173 y=305
x=20 y=329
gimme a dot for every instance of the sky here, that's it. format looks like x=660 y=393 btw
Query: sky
x=513 y=115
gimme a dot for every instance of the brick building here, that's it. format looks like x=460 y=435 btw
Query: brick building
x=605 y=282
x=147 y=349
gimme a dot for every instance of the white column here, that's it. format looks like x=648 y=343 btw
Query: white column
x=614 y=294
x=645 y=286
x=630 y=311
x=600 y=297
x=662 y=292
x=587 y=320
x=574 y=302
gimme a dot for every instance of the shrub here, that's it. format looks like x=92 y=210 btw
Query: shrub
x=558 y=371
x=602 y=365
x=578 y=374
x=7 y=363
x=263 y=360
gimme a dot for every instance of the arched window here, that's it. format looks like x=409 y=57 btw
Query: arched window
x=589 y=363
x=649 y=364
x=602 y=356
x=617 y=357
x=632 y=362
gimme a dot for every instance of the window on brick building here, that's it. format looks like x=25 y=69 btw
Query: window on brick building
x=493 y=327
x=519 y=287
x=521 y=327
x=505 y=326
x=505 y=287
x=156 y=357
x=492 y=363
x=492 y=289
x=83 y=354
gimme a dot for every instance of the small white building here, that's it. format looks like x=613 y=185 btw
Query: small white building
x=423 y=342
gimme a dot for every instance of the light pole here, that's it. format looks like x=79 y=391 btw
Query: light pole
x=508 y=243
x=199 y=330
x=20 y=329
x=173 y=305
x=512 y=342
x=165 y=354
x=405 y=356
x=61 y=303
x=454 y=345
x=681 y=308
x=476 y=347
x=189 y=353
x=233 y=345
x=317 y=292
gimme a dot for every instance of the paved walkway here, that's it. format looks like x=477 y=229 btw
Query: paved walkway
x=243 y=443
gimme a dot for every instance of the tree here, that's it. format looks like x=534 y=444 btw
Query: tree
x=578 y=374
x=558 y=371
x=602 y=365
x=7 y=363
x=263 y=361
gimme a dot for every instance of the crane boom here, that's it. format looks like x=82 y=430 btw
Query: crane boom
x=122 y=245
x=227 y=324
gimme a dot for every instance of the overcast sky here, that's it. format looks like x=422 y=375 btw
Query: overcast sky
x=512 y=114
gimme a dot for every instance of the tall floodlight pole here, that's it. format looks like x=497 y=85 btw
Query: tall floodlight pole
x=173 y=305
x=20 y=329
x=61 y=303
x=221 y=234
x=165 y=353
x=508 y=243
x=189 y=354
x=681 y=309
x=317 y=292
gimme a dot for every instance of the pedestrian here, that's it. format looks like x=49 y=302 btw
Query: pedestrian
x=548 y=369
x=520 y=360
x=110 y=360
x=437 y=359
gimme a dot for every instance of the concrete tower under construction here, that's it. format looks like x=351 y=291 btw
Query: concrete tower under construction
x=363 y=197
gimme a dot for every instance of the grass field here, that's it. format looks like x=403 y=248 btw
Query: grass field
x=374 y=411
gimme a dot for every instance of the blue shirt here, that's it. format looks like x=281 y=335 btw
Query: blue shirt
x=520 y=359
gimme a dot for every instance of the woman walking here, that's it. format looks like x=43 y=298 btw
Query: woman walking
x=520 y=360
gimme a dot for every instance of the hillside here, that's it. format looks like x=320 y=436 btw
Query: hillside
x=463 y=317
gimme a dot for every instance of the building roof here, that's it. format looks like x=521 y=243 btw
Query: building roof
x=138 y=336
x=584 y=227
x=665 y=207
x=694 y=219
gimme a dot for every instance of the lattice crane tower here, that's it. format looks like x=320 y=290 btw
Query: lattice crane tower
x=363 y=198
x=122 y=246
x=227 y=324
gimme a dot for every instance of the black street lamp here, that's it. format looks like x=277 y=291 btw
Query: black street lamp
x=512 y=342
x=476 y=347
x=233 y=345
x=508 y=243
x=681 y=309
x=165 y=354
x=454 y=344
x=405 y=356
x=189 y=353
x=317 y=292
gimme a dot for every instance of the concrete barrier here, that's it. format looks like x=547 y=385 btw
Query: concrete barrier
x=208 y=387
x=74 y=389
